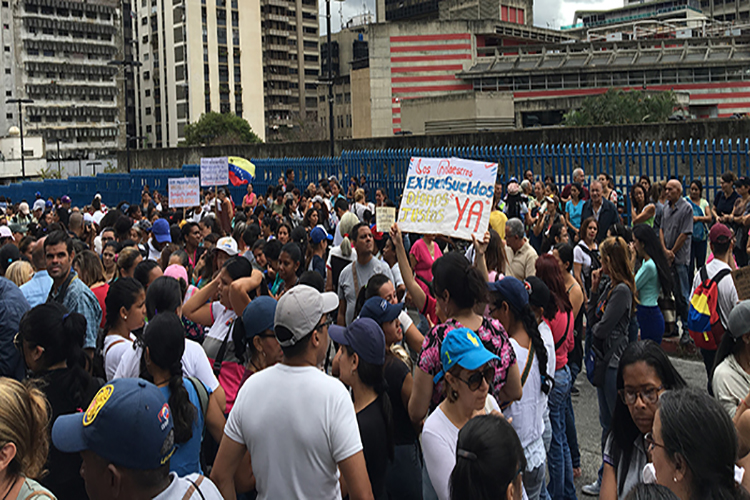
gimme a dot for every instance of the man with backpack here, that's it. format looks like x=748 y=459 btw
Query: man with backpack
x=721 y=240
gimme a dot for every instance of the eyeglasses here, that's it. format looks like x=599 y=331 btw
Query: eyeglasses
x=475 y=379
x=650 y=395
x=650 y=442
x=18 y=341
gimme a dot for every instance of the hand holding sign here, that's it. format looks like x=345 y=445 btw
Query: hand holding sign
x=448 y=196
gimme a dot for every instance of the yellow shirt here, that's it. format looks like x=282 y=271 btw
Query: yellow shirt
x=497 y=222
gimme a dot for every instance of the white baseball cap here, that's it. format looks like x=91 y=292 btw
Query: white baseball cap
x=227 y=245
x=5 y=232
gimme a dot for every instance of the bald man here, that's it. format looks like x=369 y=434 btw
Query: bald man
x=37 y=289
x=676 y=231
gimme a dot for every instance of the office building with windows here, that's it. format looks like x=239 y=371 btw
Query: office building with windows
x=196 y=57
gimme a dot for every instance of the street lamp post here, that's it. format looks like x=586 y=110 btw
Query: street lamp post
x=93 y=165
x=125 y=64
x=20 y=128
x=330 y=78
x=59 y=168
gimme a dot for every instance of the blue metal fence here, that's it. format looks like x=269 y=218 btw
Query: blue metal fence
x=625 y=162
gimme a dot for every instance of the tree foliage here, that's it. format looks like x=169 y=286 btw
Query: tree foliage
x=616 y=107
x=220 y=129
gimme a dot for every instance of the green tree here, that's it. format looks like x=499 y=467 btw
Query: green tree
x=616 y=107
x=220 y=129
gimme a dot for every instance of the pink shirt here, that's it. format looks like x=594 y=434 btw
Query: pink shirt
x=419 y=250
x=558 y=325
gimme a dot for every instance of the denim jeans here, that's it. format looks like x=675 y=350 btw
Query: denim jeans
x=561 y=486
x=570 y=421
x=533 y=482
x=607 y=397
x=681 y=292
x=404 y=475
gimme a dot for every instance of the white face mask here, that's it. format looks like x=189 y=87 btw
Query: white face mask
x=649 y=474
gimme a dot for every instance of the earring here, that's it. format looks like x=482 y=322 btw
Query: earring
x=125 y=318
x=264 y=354
x=675 y=479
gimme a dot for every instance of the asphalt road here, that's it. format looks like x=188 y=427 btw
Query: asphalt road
x=586 y=411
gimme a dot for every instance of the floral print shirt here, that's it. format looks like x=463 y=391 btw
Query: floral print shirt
x=494 y=338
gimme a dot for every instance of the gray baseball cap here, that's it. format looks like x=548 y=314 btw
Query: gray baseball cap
x=299 y=311
x=739 y=319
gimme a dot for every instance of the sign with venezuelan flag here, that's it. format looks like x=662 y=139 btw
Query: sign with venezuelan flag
x=449 y=196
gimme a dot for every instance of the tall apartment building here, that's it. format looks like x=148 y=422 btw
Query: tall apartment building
x=197 y=56
x=290 y=63
x=56 y=52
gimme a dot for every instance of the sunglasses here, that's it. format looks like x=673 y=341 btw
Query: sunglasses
x=474 y=382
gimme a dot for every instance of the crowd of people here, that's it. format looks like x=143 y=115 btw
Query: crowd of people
x=283 y=347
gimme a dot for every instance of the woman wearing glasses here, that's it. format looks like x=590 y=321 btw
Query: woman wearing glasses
x=644 y=373
x=693 y=447
x=468 y=373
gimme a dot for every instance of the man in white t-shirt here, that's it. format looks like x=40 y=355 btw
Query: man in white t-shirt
x=298 y=423
x=720 y=237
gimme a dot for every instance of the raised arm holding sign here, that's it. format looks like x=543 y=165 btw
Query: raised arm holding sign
x=448 y=196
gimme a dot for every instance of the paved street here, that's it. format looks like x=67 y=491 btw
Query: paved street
x=587 y=418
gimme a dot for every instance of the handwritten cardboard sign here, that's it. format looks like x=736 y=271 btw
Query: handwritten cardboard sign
x=214 y=171
x=184 y=192
x=741 y=279
x=384 y=218
x=449 y=196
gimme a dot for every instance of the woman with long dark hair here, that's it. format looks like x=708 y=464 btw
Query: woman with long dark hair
x=489 y=461
x=609 y=311
x=456 y=298
x=361 y=357
x=559 y=315
x=109 y=260
x=509 y=304
x=586 y=257
x=126 y=311
x=644 y=373
x=702 y=216
x=189 y=400
x=290 y=265
x=694 y=447
x=558 y=233
x=654 y=278
x=574 y=210
x=51 y=341
x=642 y=210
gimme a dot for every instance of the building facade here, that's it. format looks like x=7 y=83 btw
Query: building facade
x=291 y=63
x=57 y=53
x=197 y=57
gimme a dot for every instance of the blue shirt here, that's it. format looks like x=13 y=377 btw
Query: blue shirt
x=80 y=299
x=13 y=306
x=36 y=290
x=575 y=212
x=186 y=458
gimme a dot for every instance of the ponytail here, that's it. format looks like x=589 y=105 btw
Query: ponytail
x=165 y=341
x=528 y=319
x=61 y=334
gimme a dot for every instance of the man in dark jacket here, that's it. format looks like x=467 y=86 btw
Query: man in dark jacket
x=603 y=210
x=13 y=306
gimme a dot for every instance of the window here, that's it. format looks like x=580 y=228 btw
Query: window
x=6 y=26
x=5 y=4
x=149 y=128
x=9 y=116
x=144 y=21
x=146 y=75
x=8 y=93
x=7 y=71
x=33 y=52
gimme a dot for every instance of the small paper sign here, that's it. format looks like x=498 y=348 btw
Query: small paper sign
x=384 y=218
x=214 y=171
x=741 y=279
x=184 y=192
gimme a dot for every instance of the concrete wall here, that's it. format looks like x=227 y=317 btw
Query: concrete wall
x=696 y=130
x=416 y=112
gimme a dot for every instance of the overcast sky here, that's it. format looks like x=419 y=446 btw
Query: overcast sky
x=552 y=13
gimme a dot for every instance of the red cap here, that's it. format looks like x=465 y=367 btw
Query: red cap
x=720 y=233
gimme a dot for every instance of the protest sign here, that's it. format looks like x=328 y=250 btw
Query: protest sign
x=741 y=279
x=184 y=192
x=214 y=171
x=449 y=196
x=384 y=218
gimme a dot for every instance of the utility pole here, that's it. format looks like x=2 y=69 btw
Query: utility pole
x=330 y=78
x=125 y=64
x=20 y=128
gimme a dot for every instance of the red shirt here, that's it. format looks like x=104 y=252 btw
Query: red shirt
x=101 y=294
x=558 y=325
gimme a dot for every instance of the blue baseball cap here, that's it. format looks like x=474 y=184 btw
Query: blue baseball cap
x=462 y=347
x=160 y=230
x=364 y=336
x=128 y=423
x=258 y=316
x=512 y=290
x=319 y=234
x=380 y=310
